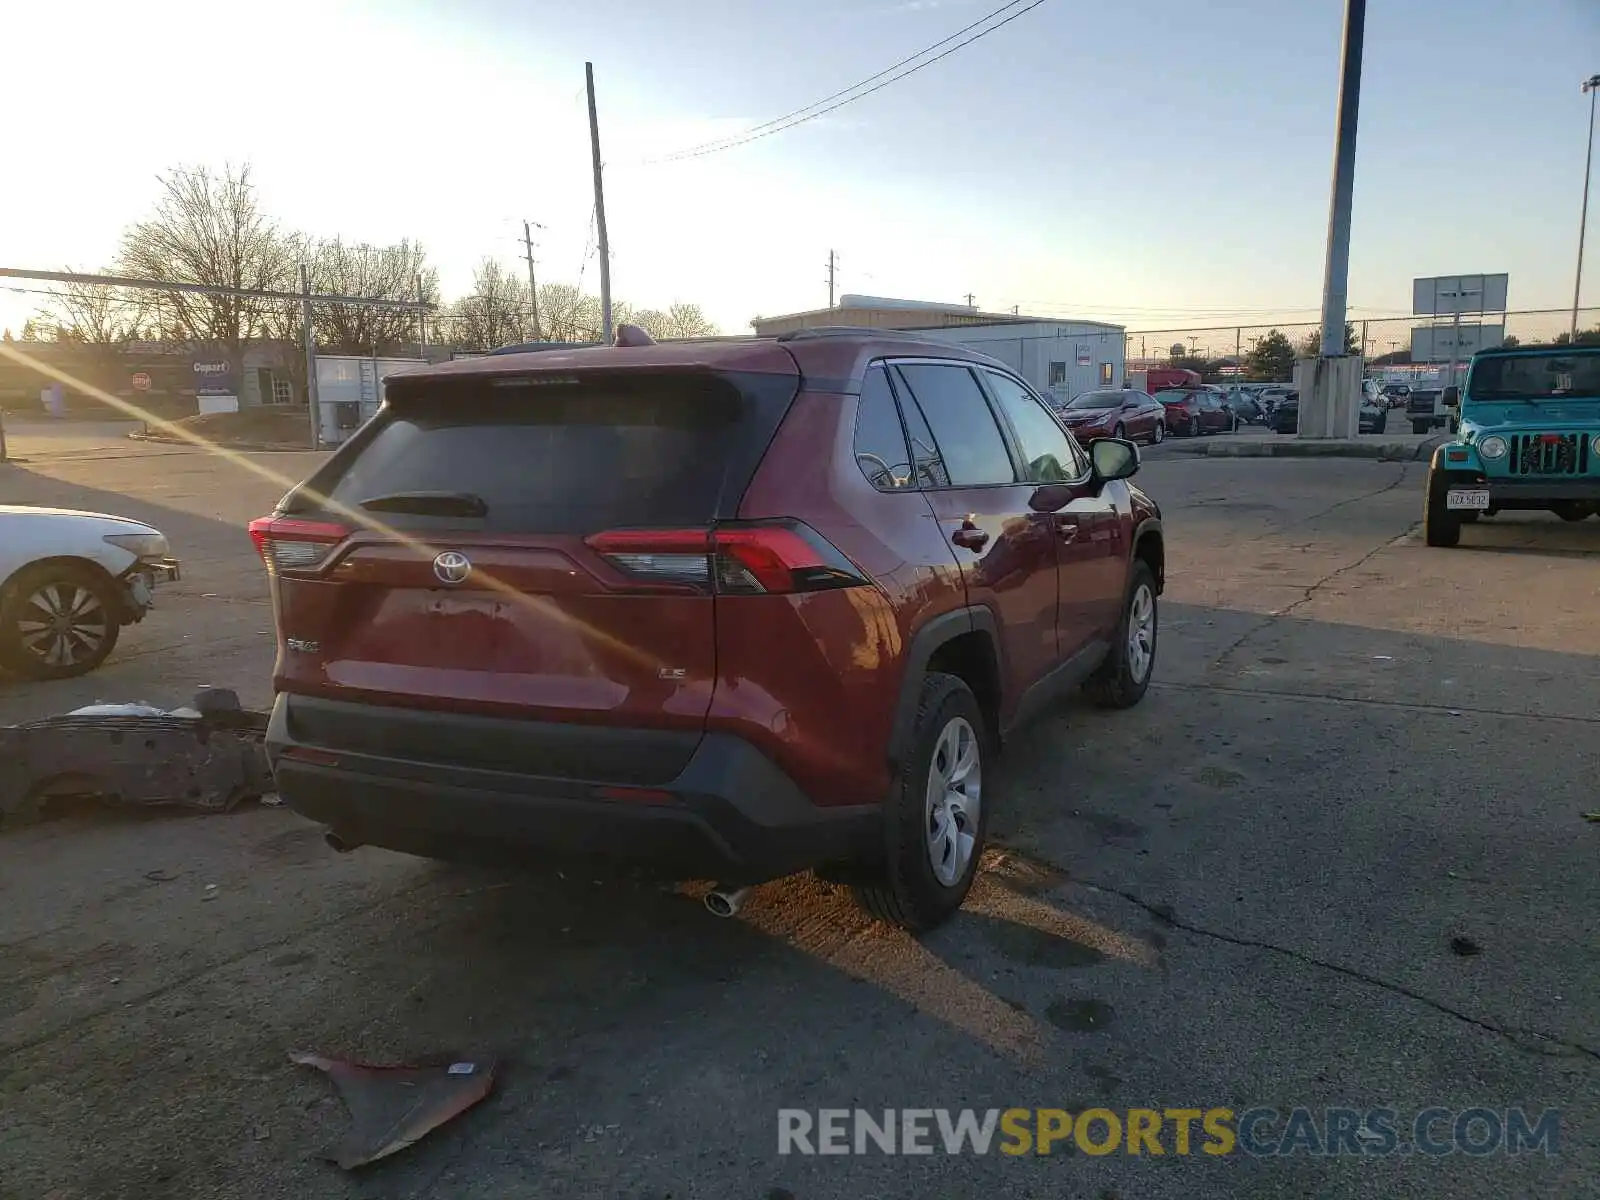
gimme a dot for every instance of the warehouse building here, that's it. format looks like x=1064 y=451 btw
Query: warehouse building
x=1060 y=357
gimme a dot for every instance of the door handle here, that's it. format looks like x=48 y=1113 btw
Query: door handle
x=969 y=537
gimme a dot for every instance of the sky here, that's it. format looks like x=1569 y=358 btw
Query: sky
x=1158 y=163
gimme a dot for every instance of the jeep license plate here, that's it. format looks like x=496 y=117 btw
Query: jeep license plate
x=1476 y=499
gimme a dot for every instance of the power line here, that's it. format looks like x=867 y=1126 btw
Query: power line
x=812 y=111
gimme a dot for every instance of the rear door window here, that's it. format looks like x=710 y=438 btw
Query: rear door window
x=564 y=456
x=880 y=440
x=964 y=429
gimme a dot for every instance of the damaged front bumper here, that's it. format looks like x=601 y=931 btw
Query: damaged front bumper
x=139 y=583
x=209 y=757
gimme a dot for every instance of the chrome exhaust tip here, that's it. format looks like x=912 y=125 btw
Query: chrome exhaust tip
x=721 y=903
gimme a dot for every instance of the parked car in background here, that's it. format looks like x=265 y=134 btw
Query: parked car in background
x=1286 y=413
x=69 y=582
x=1122 y=412
x=682 y=605
x=1425 y=410
x=1194 y=411
x=1273 y=395
x=1373 y=418
x=1246 y=407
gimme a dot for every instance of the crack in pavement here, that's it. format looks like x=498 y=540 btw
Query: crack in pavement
x=1311 y=590
x=1450 y=710
x=1529 y=1041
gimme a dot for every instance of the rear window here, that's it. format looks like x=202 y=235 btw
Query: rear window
x=571 y=457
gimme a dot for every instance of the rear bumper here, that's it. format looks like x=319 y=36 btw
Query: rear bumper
x=729 y=814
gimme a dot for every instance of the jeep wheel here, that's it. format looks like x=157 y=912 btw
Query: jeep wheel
x=58 y=621
x=1123 y=678
x=935 y=817
x=1440 y=526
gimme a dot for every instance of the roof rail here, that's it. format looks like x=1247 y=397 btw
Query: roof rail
x=827 y=331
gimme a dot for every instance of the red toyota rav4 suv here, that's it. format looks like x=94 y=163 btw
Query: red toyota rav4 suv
x=737 y=608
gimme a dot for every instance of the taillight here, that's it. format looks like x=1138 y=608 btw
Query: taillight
x=758 y=559
x=286 y=544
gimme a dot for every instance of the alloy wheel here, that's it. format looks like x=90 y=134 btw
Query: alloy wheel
x=63 y=624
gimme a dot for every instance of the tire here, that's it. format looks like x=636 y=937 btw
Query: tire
x=1158 y=434
x=1122 y=680
x=85 y=603
x=1383 y=424
x=1194 y=427
x=905 y=889
x=1440 y=526
x=1419 y=427
x=1117 y=430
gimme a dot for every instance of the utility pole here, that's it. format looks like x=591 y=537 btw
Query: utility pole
x=833 y=263
x=422 y=324
x=1591 y=85
x=311 y=358
x=606 y=332
x=533 y=285
x=971 y=300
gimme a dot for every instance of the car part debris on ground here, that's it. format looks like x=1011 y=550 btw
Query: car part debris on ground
x=209 y=756
x=393 y=1107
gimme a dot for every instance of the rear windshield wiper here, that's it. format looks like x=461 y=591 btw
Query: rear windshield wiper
x=429 y=504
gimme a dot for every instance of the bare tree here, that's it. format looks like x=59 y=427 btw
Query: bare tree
x=93 y=314
x=679 y=321
x=497 y=313
x=209 y=229
x=567 y=314
x=397 y=272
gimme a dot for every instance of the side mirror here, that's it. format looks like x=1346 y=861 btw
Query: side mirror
x=1451 y=397
x=1113 y=458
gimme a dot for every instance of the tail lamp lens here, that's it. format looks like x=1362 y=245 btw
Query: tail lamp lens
x=757 y=559
x=286 y=544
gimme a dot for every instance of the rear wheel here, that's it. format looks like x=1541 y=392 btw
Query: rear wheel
x=1440 y=526
x=935 y=818
x=59 y=621
x=1123 y=678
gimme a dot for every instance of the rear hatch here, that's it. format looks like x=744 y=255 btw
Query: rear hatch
x=459 y=554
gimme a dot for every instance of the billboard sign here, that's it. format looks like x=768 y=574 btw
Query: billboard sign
x=1453 y=343
x=1450 y=295
x=214 y=377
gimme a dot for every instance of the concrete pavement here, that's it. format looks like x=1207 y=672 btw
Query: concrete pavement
x=1244 y=892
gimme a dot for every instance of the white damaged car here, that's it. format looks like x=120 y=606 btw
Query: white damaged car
x=69 y=582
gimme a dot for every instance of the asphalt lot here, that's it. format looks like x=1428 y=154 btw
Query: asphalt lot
x=1242 y=893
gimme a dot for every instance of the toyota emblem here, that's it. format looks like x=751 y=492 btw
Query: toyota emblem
x=452 y=567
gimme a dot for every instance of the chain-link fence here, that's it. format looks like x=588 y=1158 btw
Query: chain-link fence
x=1379 y=340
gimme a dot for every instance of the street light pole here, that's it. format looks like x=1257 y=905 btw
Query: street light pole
x=1591 y=85
x=1336 y=275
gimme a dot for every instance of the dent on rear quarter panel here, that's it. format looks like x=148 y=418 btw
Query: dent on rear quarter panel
x=816 y=685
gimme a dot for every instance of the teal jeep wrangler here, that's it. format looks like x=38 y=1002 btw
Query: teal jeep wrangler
x=1528 y=438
